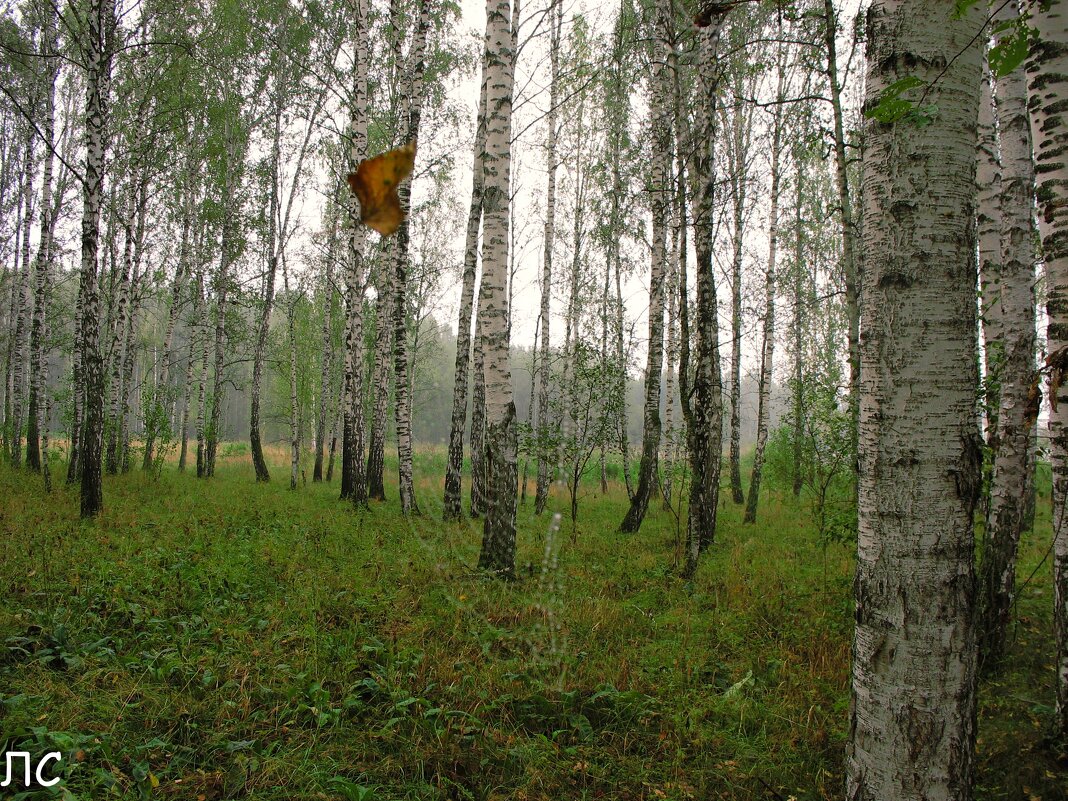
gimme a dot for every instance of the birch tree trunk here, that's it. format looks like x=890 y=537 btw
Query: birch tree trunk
x=37 y=406
x=376 y=446
x=402 y=394
x=988 y=178
x=202 y=381
x=738 y=158
x=227 y=246
x=96 y=52
x=328 y=351
x=454 y=470
x=621 y=376
x=850 y=262
x=660 y=193
x=74 y=468
x=672 y=355
x=356 y=241
x=271 y=245
x=23 y=305
x=118 y=333
x=478 y=409
x=294 y=409
x=619 y=108
x=187 y=389
x=1047 y=88
x=14 y=309
x=703 y=407
x=544 y=455
x=1018 y=407
x=354 y=485
x=498 y=538
x=912 y=728
x=767 y=350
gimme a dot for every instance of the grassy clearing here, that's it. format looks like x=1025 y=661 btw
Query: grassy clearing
x=215 y=640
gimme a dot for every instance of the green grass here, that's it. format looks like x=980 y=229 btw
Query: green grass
x=222 y=639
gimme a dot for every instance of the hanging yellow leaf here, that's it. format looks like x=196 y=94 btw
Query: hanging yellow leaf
x=375 y=183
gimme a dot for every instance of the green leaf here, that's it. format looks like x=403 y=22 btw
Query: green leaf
x=891 y=106
x=1009 y=53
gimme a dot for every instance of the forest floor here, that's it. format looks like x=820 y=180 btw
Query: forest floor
x=226 y=640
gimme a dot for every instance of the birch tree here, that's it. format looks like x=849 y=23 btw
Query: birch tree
x=37 y=405
x=461 y=379
x=402 y=398
x=767 y=348
x=327 y=344
x=498 y=537
x=660 y=193
x=1047 y=90
x=96 y=47
x=702 y=393
x=912 y=729
x=544 y=423
x=1017 y=381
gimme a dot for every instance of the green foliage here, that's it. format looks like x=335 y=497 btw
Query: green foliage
x=1012 y=50
x=827 y=458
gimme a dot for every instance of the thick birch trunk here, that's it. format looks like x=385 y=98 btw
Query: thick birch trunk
x=97 y=59
x=37 y=406
x=1047 y=70
x=1018 y=408
x=354 y=485
x=402 y=391
x=703 y=406
x=498 y=538
x=912 y=727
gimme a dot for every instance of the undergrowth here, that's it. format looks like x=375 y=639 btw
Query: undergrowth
x=225 y=639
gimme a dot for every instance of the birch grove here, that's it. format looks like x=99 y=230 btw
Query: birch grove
x=770 y=300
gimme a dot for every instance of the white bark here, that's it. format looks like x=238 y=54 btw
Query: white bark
x=498 y=542
x=1018 y=406
x=1047 y=89
x=912 y=731
x=544 y=457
